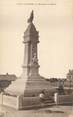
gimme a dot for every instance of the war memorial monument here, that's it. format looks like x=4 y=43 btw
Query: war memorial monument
x=24 y=91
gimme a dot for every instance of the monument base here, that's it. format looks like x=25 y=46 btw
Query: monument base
x=22 y=94
x=19 y=102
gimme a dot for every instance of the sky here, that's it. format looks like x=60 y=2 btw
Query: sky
x=55 y=26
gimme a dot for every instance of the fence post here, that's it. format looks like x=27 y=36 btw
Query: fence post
x=56 y=98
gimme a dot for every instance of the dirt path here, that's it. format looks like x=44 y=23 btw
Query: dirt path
x=56 y=111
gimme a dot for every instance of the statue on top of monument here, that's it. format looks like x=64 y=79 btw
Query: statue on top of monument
x=31 y=17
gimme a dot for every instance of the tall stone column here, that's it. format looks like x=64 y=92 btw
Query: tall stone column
x=30 y=62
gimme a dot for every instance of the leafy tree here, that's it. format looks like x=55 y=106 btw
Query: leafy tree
x=70 y=77
x=70 y=74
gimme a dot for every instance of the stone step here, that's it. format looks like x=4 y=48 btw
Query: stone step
x=42 y=105
x=48 y=101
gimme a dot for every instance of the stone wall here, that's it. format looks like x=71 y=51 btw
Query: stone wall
x=0 y=98
x=19 y=102
x=8 y=101
x=31 y=101
x=64 y=99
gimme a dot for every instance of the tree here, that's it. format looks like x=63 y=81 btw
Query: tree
x=61 y=86
x=70 y=77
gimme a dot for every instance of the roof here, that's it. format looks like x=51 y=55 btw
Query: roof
x=9 y=77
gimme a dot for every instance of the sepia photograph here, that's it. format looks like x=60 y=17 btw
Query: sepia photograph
x=36 y=58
